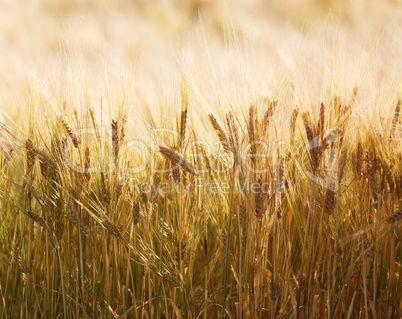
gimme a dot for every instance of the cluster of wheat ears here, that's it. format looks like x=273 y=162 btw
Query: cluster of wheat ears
x=309 y=227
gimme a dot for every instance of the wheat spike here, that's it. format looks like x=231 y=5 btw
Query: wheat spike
x=293 y=119
x=30 y=158
x=330 y=201
x=176 y=159
x=310 y=133
x=77 y=222
x=267 y=116
x=176 y=174
x=310 y=128
x=118 y=191
x=94 y=124
x=23 y=267
x=308 y=125
x=182 y=248
x=389 y=176
x=359 y=160
x=123 y=128
x=221 y=134
x=321 y=121
x=373 y=174
x=143 y=194
x=223 y=237
x=395 y=119
x=394 y=217
x=342 y=163
x=37 y=219
x=136 y=213
x=76 y=140
x=87 y=164
x=251 y=133
x=115 y=139
x=65 y=153
x=172 y=280
x=233 y=137
x=367 y=247
x=206 y=159
x=111 y=227
x=45 y=159
x=183 y=124
x=280 y=174
x=331 y=136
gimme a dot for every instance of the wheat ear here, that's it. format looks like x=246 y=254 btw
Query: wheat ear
x=221 y=134
x=177 y=159
x=74 y=138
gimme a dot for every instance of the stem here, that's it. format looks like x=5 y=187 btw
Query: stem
x=227 y=248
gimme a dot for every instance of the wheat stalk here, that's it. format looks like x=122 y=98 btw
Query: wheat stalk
x=259 y=202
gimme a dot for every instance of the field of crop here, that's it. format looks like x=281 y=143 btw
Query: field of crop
x=200 y=159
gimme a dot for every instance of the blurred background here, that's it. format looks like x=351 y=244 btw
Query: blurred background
x=235 y=50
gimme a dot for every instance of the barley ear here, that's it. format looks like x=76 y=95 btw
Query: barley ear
x=394 y=217
x=221 y=134
x=115 y=139
x=395 y=119
x=177 y=159
x=183 y=124
x=321 y=122
x=74 y=138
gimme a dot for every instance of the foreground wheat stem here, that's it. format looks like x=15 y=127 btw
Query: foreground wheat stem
x=240 y=288
x=227 y=245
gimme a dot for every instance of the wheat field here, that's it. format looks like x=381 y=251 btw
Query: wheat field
x=200 y=159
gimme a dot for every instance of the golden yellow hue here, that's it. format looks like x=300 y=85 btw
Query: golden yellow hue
x=200 y=159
